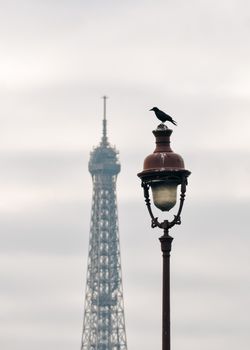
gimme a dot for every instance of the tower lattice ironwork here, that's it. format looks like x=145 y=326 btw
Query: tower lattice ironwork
x=104 y=323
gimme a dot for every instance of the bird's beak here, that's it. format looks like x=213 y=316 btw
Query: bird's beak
x=151 y=109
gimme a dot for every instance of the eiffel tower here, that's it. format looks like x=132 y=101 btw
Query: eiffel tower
x=104 y=323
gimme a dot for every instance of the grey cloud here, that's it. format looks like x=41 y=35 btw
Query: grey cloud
x=43 y=168
x=58 y=228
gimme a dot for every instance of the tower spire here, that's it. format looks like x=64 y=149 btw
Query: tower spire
x=104 y=123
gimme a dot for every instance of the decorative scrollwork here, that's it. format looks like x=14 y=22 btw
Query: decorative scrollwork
x=166 y=225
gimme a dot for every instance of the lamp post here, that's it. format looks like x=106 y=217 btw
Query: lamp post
x=163 y=172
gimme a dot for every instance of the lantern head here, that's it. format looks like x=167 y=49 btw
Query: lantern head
x=164 y=170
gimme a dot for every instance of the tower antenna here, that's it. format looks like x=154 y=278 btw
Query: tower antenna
x=104 y=123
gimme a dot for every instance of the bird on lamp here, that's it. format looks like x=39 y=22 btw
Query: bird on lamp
x=162 y=116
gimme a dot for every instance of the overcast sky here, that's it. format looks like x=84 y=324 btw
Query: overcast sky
x=189 y=58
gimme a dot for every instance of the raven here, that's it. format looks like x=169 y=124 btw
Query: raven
x=163 y=116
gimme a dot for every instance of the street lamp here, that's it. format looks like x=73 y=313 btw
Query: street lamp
x=163 y=171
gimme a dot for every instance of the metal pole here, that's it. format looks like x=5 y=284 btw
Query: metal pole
x=166 y=242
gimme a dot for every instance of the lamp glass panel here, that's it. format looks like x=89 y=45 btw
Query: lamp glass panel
x=164 y=195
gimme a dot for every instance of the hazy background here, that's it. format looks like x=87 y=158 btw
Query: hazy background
x=189 y=58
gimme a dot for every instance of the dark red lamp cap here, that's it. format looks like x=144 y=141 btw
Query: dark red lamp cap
x=163 y=164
